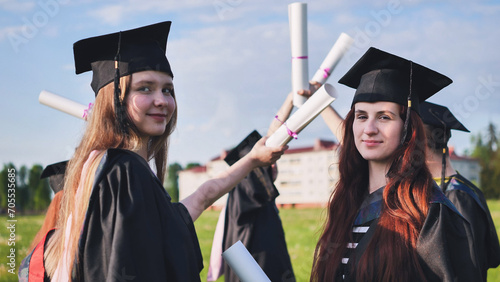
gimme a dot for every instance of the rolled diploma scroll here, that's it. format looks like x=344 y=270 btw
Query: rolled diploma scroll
x=62 y=104
x=297 y=17
x=331 y=60
x=243 y=264
x=323 y=97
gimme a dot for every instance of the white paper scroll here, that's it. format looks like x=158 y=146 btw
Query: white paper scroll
x=331 y=60
x=243 y=264
x=63 y=104
x=323 y=97
x=297 y=18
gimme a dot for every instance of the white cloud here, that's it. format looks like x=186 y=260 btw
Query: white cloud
x=117 y=13
x=51 y=31
x=4 y=32
x=111 y=14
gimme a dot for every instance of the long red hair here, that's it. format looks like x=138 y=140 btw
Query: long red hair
x=391 y=254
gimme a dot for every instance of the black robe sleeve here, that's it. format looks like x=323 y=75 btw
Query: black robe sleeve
x=132 y=231
x=446 y=246
x=470 y=202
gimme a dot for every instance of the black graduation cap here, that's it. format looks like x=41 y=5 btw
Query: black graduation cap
x=55 y=172
x=381 y=76
x=440 y=117
x=243 y=148
x=135 y=50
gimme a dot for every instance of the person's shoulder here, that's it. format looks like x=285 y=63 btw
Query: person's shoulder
x=457 y=181
x=465 y=189
x=114 y=154
x=122 y=157
x=115 y=160
x=126 y=167
x=439 y=198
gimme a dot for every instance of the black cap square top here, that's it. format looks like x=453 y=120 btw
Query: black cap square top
x=137 y=50
x=381 y=76
x=440 y=117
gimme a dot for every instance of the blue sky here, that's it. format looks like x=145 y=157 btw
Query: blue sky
x=231 y=61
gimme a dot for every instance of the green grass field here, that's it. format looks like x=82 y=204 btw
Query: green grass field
x=301 y=231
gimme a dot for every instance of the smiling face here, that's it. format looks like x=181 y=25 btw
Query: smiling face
x=150 y=102
x=377 y=130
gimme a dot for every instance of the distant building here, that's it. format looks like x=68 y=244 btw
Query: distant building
x=306 y=176
x=466 y=166
x=191 y=179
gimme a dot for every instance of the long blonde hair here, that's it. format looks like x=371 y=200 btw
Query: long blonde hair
x=102 y=132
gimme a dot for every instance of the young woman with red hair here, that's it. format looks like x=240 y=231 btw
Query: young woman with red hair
x=387 y=219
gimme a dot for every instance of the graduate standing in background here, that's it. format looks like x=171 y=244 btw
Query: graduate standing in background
x=117 y=222
x=252 y=217
x=387 y=219
x=55 y=173
x=467 y=198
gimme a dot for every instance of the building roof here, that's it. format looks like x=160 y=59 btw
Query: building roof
x=319 y=145
x=201 y=168
x=455 y=157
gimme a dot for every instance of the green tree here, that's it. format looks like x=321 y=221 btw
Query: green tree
x=191 y=165
x=172 y=181
x=24 y=193
x=39 y=188
x=486 y=150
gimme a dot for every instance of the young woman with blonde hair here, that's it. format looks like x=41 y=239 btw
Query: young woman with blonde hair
x=117 y=222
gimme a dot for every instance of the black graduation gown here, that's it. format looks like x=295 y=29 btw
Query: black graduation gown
x=470 y=202
x=445 y=246
x=253 y=218
x=132 y=230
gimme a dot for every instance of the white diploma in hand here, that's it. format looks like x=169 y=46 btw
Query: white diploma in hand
x=331 y=60
x=323 y=97
x=64 y=105
x=243 y=264
x=297 y=18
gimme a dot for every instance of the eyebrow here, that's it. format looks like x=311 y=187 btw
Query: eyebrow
x=378 y=113
x=150 y=82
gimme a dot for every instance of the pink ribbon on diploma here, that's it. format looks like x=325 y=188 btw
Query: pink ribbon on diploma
x=86 y=111
x=291 y=133
x=326 y=72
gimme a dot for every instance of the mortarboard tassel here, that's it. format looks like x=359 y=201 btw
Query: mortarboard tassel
x=443 y=169
x=119 y=110
x=407 y=121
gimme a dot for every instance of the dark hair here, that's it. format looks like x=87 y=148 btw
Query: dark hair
x=404 y=209
x=437 y=138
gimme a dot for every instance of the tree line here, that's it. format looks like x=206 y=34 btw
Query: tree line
x=485 y=150
x=31 y=193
